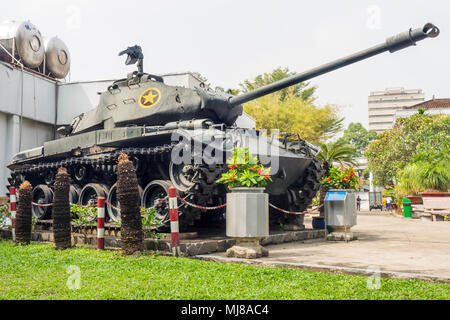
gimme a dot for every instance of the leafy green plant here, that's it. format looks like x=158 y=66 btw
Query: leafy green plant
x=316 y=200
x=4 y=211
x=434 y=177
x=245 y=170
x=5 y=215
x=33 y=220
x=83 y=217
x=408 y=180
x=150 y=223
x=427 y=171
x=341 y=179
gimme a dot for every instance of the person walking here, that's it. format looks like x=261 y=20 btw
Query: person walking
x=389 y=203
x=358 y=203
x=383 y=204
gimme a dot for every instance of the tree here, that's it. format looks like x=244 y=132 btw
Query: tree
x=394 y=149
x=337 y=151
x=128 y=195
x=357 y=136
x=61 y=210
x=292 y=109
x=294 y=115
x=300 y=90
x=23 y=216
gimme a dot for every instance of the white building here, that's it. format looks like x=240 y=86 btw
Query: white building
x=384 y=104
x=434 y=106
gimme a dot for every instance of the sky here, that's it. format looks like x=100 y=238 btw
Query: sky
x=231 y=41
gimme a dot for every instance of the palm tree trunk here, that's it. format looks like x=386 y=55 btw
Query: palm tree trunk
x=61 y=210
x=323 y=190
x=132 y=235
x=23 y=216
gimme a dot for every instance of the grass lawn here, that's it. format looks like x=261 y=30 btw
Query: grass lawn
x=38 y=271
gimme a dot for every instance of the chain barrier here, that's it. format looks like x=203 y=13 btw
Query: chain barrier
x=200 y=207
x=179 y=198
x=144 y=210
x=286 y=211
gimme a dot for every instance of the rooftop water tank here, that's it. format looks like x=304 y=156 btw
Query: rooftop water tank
x=57 y=58
x=24 y=41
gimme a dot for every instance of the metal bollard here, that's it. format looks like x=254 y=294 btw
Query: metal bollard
x=12 y=200
x=174 y=227
x=101 y=223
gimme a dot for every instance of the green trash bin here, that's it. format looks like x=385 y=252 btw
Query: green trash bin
x=407 y=208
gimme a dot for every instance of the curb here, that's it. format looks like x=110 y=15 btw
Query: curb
x=327 y=268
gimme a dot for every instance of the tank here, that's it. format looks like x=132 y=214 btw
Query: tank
x=181 y=136
x=23 y=41
x=57 y=58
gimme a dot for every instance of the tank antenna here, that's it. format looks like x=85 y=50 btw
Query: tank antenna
x=134 y=55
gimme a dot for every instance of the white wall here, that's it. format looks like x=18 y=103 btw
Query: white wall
x=26 y=123
x=38 y=95
x=78 y=97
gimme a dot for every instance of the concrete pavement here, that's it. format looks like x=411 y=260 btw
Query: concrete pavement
x=396 y=246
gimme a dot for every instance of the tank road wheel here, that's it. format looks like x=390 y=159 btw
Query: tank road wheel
x=139 y=165
x=182 y=176
x=49 y=176
x=153 y=193
x=41 y=194
x=80 y=173
x=91 y=192
x=74 y=194
x=113 y=213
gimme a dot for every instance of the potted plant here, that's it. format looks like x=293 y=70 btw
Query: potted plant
x=247 y=215
x=342 y=180
x=430 y=177
x=435 y=180
x=408 y=183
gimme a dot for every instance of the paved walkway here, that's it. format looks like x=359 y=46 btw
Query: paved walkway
x=385 y=242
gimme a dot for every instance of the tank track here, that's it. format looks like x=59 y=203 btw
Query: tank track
x=100 y=160
x=205 y=191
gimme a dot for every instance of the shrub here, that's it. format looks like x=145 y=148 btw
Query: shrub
x=245 y=171
x=341 y=179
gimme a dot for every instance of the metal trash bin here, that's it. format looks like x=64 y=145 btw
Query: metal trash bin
x=340 y=213
x=407 y=208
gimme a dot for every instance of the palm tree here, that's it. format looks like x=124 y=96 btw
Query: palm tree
x=338 y=151
x=23 y=216
x=61 y=210
x=128 y=195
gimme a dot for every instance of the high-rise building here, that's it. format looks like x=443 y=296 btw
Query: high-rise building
x=384 y=104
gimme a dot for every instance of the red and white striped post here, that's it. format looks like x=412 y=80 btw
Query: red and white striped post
x=13 y=203
x=174 y=227
x=101 y=223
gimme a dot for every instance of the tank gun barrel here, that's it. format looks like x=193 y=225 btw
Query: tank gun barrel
x=392 y=44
